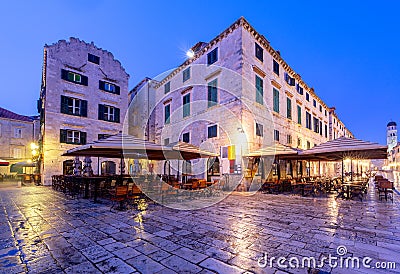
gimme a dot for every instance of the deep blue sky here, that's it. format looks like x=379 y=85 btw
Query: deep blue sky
x=348 y=51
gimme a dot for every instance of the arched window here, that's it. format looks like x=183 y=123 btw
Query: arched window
x=108 y=167
x=68 y=167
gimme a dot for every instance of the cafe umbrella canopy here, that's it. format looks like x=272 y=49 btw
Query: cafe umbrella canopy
x=127 y=146
x=345 y=148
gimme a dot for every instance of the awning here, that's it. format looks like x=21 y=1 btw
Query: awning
x=343 y=148
x=4 y=162
x=274 y=150
x=25 y=164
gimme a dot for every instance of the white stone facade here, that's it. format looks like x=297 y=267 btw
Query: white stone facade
x=87 y=60
x=237 y=110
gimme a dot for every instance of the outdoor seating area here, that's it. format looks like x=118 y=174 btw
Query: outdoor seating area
x=384 y=188
x=319 y=187
x=125 y=190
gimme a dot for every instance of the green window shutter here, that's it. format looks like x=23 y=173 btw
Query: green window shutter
x=299 y=115
x=212 y=96
x=83 y=108
x=83 y=138
x=101 y=85
x=84 y=80
x=289 y=108
x=117 y=90
x=276 y=100
x=63 y=136
x=101 y=112
x=259 y=90
x=167 y=114
x=64 y=104
x=64 y=74
x=116 y=115
x=186 y=105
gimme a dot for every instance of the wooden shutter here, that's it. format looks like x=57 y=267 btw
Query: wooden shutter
x=101 y=112
x=64 y=74
x=101 y=85
x=117 y=90
x=84 y=80
x=83 y=108
x=116 y=115
x=83 y=138
x=63 y=136
x=64 y=104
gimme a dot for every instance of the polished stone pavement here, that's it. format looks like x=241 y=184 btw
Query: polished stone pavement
x=42 y=231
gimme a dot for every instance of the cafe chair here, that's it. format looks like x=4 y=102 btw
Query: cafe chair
x=119 y=197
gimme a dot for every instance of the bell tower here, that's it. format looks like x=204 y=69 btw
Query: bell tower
x=391 y=135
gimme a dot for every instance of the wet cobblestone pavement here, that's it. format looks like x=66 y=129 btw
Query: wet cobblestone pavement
x=42 y=231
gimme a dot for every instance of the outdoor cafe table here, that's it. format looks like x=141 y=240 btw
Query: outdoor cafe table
x=95 y=180
x=348 y=186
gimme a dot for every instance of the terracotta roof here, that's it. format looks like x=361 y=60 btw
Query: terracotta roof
x=4 y=113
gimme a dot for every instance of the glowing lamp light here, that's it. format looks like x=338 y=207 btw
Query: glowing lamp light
x=190 y=53
x=34 y=146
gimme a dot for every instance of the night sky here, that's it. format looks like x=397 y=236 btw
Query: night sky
x=347 y=50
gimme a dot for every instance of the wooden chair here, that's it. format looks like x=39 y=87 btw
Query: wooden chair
x=119 y=195
x=385 y=190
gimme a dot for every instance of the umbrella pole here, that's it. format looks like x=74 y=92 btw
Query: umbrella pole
x=351 y=169
x=98 y=166
x=342 y=170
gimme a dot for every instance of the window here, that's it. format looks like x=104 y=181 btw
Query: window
x=291 y=81
x=73 y=106
x=325 y=112
x=17 y=153
x=212 y=131
x=103 y=136
x=308 y=120
x=186 y=105
x=308 y=145
x=299 y=114
x=72 y=137
x=276 y=67
x=74 y=77
x=276 y=135
x=111 y=88
x=167 y=87
x=186 y=74
x=307 y=96
x=289 y=108
x=320 y=108
x=259 y=90
x=299 y=142
x=259 y=130
x=167 y=114
x=212 y=96
x=109 y=113
x=186 y=137
x=276 y=100
x=166 y=141
x=93 y=58
x=316 y=124
x=212 y=57
x=259 y=52
x=289 y=139
x=314 y=103
x=320 y=128
x=17 y=132
x=299 y=89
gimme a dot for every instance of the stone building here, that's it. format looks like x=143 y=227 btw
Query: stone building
x=233 y=95
x=17 y=133
x=84 y=97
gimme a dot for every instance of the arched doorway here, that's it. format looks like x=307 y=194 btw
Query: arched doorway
x=108 y=167
x=213 y=168
x=167 y=168
x=186 y=170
